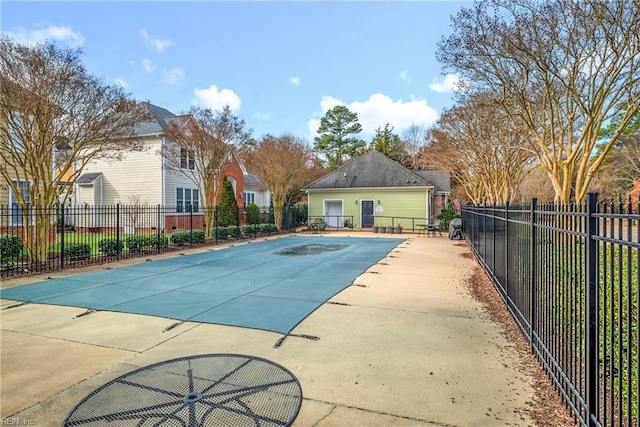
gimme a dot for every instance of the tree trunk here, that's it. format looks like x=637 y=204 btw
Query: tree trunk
x=278 y=203
x=43 y=227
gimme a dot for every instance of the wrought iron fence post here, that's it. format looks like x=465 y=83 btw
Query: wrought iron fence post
x=494 y=264
x=62 y=229
x=591 y=320
x=118 y=250
x=533 y=267
x=159 y=244
x=483 y=233
x=506 y=253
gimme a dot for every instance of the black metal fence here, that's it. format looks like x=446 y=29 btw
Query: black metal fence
x=39 y=240
x=570 y=277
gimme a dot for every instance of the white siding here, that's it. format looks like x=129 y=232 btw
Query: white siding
x=173 y=180
x=263 y=199
x=138 y=175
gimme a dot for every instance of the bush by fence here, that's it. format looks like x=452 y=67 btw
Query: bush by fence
x=181 y=238
x=77 y=251
x=86 y=234
x=110 y=247
x=10 y=248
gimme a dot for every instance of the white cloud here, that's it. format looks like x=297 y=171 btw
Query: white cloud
x=404 y=76
x=215 y=99
x=328 y=102
x=379 y=110
x=172 y=76
x=157 y=44
x=262 y=116
x=147 y=65
x=313 y=125
x=50 y=33
x=295 y=81
x=120 y=82
x=448 y=85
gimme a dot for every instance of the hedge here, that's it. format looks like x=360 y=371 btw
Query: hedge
x=138 y=242
x=268 y=228
x=234 y=232
x=252 y=212
x=249 y=230
x=77 y=251
x=110 y=247
x=180 y=238
x=10 y=248
x=221 y=233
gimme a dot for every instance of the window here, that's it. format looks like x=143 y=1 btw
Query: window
x=194 y=200
x=187 y=200
x=179 y=199
x=187 y=159
x=249 y=198
x=16 y=208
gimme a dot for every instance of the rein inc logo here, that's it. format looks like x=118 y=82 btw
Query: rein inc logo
x=16 y=421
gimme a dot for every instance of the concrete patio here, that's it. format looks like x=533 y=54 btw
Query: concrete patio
x=406 y=346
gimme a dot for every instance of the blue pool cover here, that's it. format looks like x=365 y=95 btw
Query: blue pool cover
x=271 y=284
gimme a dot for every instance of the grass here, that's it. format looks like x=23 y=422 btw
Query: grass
x=91 y=239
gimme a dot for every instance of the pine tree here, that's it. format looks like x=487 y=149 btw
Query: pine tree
x=228 y=208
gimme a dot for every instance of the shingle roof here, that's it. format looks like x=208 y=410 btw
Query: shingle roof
x=253 y=182
x=88 y=178
x=440 y=180
x=371 y=170
x=156 y=124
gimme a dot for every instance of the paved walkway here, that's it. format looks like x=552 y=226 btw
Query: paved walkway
x=406 y=346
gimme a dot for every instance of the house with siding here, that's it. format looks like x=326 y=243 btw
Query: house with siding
x=11 y=210
x=255 y=191
x=375 y=190
x=143 y=178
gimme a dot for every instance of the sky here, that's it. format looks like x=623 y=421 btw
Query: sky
x=280 y=66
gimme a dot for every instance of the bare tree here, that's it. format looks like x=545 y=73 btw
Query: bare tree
x=55 y=118
x=536 y=184
x=564 y=68
x=285 y=164
x=133 y=211
x=413 y=139
x=481 y=148
x=207 y=141
x=620 y=169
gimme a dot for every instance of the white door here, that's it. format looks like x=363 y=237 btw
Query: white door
x=333 y=213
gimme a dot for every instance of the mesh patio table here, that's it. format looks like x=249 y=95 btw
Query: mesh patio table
x=202 y=390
